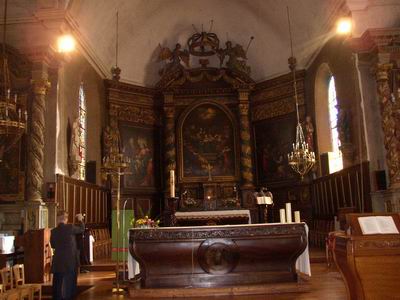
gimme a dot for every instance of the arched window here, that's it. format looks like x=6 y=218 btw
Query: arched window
x=335 y=157
x=82 y=133
x=326 y=116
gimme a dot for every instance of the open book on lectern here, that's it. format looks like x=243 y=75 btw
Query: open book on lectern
x=378 y=225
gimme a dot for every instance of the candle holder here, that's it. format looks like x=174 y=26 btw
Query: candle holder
x=116 y=165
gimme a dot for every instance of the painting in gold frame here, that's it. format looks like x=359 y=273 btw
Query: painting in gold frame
x=207 y=143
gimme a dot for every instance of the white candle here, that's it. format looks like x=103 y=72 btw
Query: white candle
x=282 y=215
x=297 y=216
x=288 y=212
x=172 y=183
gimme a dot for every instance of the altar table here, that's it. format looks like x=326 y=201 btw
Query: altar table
x=215 y=256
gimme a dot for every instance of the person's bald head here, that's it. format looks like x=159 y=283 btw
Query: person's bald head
x=62 y=217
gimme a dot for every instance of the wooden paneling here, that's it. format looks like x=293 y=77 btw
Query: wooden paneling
x=76 y=196
x=347 y=188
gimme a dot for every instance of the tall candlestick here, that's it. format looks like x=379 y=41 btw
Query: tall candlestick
x=282 y=215
x=288 y=212
x=297 y=216
x=172 y=183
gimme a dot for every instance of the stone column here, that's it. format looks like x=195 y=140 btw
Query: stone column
x=390 y=113
x=36 y=213
x=246 y=164
x=169 y=139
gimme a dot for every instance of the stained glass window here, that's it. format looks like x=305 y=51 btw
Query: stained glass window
x=82 y=133
x=335 y=157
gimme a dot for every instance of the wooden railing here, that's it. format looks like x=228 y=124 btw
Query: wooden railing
x=76 y=196
x=349 y=187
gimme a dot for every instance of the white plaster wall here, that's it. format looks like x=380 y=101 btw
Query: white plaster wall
x=372 y=121
x=50 y=130
x=73 y=72
x=369 y=14
x=322 y=121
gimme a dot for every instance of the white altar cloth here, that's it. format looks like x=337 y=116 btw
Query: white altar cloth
x=303 y=261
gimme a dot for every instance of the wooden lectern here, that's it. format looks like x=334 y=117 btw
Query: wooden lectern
x=369 y=264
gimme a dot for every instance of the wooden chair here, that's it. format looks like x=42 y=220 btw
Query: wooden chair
x=7 y=279
x=19 y=279
x=10 y=292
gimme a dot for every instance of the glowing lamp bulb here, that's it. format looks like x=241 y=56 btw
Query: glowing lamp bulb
x=344 y=26
x=66 y=43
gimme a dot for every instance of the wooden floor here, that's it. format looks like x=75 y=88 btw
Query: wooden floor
x=325 y=283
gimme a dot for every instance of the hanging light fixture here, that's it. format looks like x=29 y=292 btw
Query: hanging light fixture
x=12 y=122
x=301 y=159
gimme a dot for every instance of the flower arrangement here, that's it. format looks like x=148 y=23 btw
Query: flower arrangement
x=145 y=222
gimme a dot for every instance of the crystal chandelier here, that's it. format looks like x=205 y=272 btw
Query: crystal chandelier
x=12 y=123
x=301 y=159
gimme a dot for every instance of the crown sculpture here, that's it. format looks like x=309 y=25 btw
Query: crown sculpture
x=204 y=44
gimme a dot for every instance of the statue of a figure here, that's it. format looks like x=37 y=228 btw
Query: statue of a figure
x=111 y=140
x=236 y=57
x=309 y=133
x=343 y=125
x=74 y=154
x=174 y=58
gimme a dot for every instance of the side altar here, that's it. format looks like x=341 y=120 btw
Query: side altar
x=217 y=256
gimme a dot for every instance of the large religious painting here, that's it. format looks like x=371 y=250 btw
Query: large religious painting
x=207 y=138
x=138 y=144
x=273 y=139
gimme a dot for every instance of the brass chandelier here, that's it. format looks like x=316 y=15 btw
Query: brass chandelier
x=12 y=123
x=301 y=159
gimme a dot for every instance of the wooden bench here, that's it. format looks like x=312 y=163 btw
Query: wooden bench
x=102 y=243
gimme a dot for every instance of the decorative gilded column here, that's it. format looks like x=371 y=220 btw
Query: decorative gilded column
x=36 y=140
x=245 y=142
x=390 y=114
x=169 y=138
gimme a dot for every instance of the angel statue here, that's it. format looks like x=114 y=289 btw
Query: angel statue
x=173 y=57
x=236 y=57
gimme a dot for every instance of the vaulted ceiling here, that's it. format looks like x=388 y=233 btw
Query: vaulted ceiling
x=144 y=24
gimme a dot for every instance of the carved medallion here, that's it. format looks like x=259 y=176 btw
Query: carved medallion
x=218 y=256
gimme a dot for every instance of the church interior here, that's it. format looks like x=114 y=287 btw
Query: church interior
x=230 y=149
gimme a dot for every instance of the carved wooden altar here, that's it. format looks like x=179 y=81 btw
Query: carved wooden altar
x=217 y=256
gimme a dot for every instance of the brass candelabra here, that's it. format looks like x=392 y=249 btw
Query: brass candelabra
x=301 y=158
x=116 y=164
x=12 y=122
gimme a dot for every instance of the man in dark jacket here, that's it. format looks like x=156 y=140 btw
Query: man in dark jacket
x=65 y=262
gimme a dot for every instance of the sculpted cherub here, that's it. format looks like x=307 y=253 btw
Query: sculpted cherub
x=236 y=57
x=173 y=57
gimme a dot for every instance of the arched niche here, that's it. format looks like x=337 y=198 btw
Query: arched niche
x=207 y=143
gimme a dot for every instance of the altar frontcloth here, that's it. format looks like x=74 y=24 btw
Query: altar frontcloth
x=215 y=256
